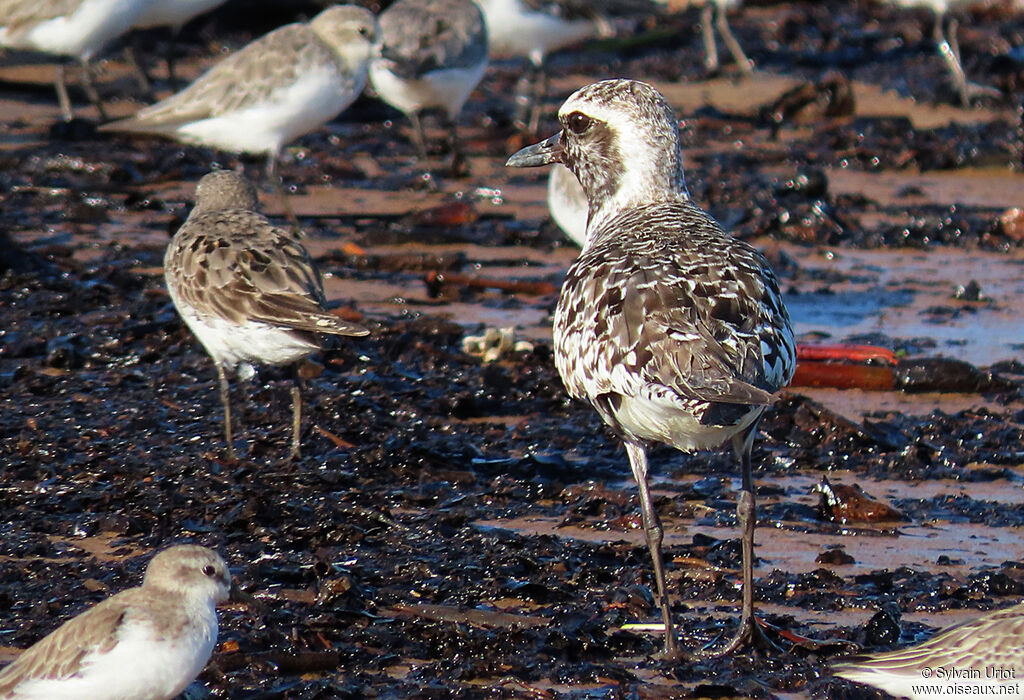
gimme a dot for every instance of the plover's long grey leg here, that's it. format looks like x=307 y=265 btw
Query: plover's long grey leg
x=655 y=535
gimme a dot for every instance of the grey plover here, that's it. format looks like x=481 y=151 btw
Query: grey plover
x=248 y=290
x=986 y=652
x=433 y=54
x=77 y=29
x=281 y=86
x=536 y=28
x=673 y=330
x=145 y=643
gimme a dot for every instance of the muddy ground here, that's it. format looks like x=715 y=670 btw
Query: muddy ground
x=458 y=528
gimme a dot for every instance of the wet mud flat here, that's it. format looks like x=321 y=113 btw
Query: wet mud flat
x=458 y=528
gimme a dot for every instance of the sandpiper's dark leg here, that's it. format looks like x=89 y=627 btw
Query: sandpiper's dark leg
x=275 y=181
x=142 y=78
x=419 y=137
x=732 y=44
x=225 y=399
x=655 y=535
x=949 y=49
x=296 y=452
x=707 y=30
x=90 y=89
x=60 y=82
x=459 y=167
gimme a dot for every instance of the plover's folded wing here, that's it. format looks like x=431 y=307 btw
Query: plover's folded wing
x=698 y=319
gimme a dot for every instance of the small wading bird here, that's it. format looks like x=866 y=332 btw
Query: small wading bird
x=281 y=86
x=248 y=290
x=145 y=643
x=433 y=54
x=980 y=655
x=673 y=330
x=68 y=28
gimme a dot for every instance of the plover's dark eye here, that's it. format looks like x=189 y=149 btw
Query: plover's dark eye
x=364 y=31
x=209 y=570
x=578 y=122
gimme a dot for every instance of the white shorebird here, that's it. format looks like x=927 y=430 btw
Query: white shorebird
x=567 y=203
x=145 y=643
x=77 y=29
x=281 y=86
x=673 y=330
x=978 y=655
x=536 y=28
x=433 y=54
x=248 y=290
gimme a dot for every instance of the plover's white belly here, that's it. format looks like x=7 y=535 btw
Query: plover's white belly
x=654 y=418
x=252 y=342
x=448 y=88
x=141 y=666
x=289 y=112
x=81 y=34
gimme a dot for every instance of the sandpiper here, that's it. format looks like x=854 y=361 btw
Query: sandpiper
x=433 y=53
x=673 y=330
x=281 y=86
x=71 y=28
x=248 y=290
x=145 y=643
x=985 y=652
x=536 y=28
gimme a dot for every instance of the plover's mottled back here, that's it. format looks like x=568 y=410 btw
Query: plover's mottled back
x=72 y=28
x=145 y=643
x=671 y=328
x=433 y=54
x=279 y=87
x=247 y=289
x=986 y=652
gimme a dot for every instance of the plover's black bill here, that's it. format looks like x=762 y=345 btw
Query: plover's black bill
x=544 y=153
